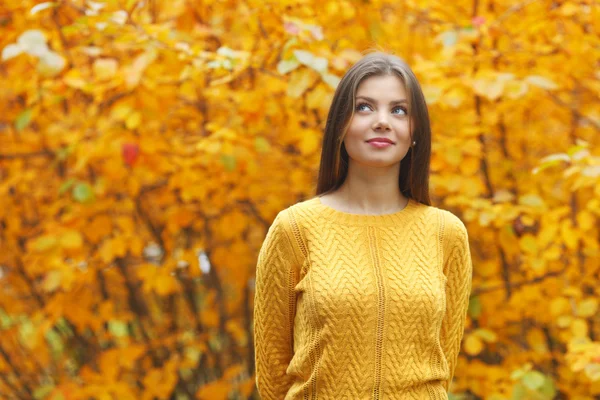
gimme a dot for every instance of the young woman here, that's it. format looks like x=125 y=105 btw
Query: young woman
x=362 y=291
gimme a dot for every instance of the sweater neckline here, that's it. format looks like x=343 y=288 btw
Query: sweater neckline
x=395 y=218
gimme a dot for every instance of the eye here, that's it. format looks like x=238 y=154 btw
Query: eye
x=359 y=106
x=401 y=108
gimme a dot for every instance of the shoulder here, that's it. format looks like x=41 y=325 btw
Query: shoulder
x=454 y=236
x=302 y=211
x=450 y=224
x=291 y=217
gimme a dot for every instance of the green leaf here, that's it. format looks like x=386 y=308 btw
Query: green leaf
x=42 y=391
x=519 y=392
x=228 y=161
x=118 y=328
x=533 y=380
x=23 y=120
x=5 y=320
x=261 y=144
x=26 y=333
x=548 y=389
x=487 y=335
x=517 y=374
x=55 y=342
x=64 y=152
x=83 y=193
x=68 y=184
x=474 y=307
x=285 y=66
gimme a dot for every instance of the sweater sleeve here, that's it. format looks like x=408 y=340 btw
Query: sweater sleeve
x=274 y=309
x=458 y=270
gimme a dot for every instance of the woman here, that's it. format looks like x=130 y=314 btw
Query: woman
x=362 y=291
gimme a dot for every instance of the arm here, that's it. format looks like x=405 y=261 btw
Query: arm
x=458 y=270
x=274 y=309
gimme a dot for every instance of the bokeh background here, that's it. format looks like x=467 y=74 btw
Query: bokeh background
x=146 y=146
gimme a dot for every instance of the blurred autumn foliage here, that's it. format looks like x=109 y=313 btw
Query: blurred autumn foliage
x=146 y=146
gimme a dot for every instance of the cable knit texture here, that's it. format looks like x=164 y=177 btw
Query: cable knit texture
x=357 y=306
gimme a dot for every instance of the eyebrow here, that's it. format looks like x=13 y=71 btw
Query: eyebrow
x=373 y=101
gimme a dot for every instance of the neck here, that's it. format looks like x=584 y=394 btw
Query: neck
x=372 y=190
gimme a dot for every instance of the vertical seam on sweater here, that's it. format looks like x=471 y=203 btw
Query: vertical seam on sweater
x=380 y=313
x=312 y=356
x=435 y=361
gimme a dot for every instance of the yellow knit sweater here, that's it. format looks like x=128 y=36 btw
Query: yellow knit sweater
x=356 y=306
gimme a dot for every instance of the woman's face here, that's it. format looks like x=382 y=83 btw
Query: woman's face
x=381 y=112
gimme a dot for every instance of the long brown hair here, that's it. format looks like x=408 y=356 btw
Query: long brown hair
x=414 y=167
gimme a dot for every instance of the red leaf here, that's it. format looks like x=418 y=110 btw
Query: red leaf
x=130 y=153
x=478 y=20
x=292 y=28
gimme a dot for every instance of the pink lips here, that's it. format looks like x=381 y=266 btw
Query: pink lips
x=380 y=142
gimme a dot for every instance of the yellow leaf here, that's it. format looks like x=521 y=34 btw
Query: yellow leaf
x=133 y=73
x=579 y=327
x=538 y=264
x=560 y=306
x=51 y=281
x=503 y=196
x=470 y=166
x=309 y=142
x=486 y=335
x=569 y=236
x=133 y=120
x=165 y=284
x=74 y=79
x=432 y=93
x=569 y=9
x=100 y=227
x=473 y=345
x=105 y=68
x=44 y=243
x=121 y=112
x=319 y=98
x=51 y=64
x=492 y=89
x=299 y=81
x=541 y=82
x=455 y=97
x=532 y=200
x=552 y=254
x=453 y=155
x=586 y=220
x=112 y=248
x=587 y=308
x=71 y=240
x=537 y=340
x=593 y=372
x=218 y=390
x=564 y=321
x=233 y=371
x=515 y=89
x=528 y=244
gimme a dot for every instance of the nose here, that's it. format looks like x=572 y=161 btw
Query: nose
x=382 y=121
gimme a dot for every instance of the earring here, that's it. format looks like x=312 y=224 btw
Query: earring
x=414 y=143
